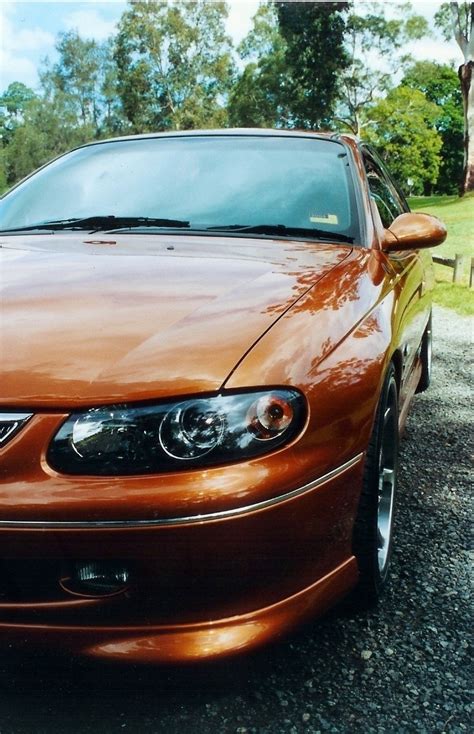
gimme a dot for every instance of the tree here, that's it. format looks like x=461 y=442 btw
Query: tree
x=294 y=54
x=315 y=56
x=3 y=173
x=13 y=103
x=84 y=80
x=403 y=130
x=78 y=102
x=49 y=128
x=16 y=97
x=260 y=96
x=113 y=118
x=255 y=99
x=439 y=83
x=458 y=19
x=373 y=45
x=173 y=64
x=76 y=76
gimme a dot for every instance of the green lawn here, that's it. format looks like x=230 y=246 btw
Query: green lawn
x=458 y=216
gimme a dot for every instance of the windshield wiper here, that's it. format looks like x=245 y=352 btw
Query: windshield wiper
x=284 y=231
x=101 y=223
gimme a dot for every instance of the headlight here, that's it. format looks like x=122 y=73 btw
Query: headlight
x=198 y=432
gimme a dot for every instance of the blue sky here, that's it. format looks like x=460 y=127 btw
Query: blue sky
x=28 y=31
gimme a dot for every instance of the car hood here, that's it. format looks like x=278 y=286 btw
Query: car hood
x=89 y=319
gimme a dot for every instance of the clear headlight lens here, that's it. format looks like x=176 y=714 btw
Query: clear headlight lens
x=198 y=432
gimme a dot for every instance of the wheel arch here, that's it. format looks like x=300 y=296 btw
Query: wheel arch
x=396 y=360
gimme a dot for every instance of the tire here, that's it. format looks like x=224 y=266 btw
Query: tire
x=425 y=356
x=373 y=527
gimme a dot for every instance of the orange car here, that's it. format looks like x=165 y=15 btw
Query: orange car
x=209 y=344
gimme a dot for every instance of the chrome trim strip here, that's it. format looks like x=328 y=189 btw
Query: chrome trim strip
x=189 y=519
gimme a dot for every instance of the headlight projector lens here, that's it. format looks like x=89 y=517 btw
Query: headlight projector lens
x=191 y=430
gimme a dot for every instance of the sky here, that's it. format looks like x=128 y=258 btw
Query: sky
x=28 y=31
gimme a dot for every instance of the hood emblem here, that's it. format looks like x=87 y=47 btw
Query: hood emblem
x=10 y=424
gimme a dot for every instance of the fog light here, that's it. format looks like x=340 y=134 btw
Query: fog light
x=97 y=578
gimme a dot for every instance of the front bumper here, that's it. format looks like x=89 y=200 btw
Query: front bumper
x=201 y=587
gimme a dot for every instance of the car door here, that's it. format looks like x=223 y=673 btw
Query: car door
x=413 y=301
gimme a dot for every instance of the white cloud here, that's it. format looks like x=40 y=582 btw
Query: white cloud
x=90 y=24
x=436 y=50
x=14 y=37
x=16 y=67
x=16 y=44
x=29 y=39
x=239 y=21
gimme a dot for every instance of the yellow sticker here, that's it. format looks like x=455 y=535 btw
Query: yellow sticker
x=324 y=219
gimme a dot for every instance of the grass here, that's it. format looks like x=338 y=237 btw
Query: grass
x=458 y=297
x=458 y=216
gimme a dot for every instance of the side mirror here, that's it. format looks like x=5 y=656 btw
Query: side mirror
x=413 y=231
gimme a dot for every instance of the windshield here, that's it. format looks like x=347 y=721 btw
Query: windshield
x=196 y=182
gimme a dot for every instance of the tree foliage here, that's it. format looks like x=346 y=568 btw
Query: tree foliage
x=49 y=128
x=76 y=77
x=13 y=103
x=403 y=130
x=260 y=97
x=440 y=85
x=314 y=56
x=77 y=103
x=84 y=78
x=294 y=53
x=15 y=98
x=374 y=46
x=173 y=64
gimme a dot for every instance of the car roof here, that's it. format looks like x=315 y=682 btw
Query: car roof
x=234 y=131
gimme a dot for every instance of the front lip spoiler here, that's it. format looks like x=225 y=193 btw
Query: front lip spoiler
x=191 y=519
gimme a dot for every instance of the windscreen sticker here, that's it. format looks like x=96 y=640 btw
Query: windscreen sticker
x=324 y=218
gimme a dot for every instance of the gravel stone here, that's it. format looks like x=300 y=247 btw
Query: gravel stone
x=403 y=668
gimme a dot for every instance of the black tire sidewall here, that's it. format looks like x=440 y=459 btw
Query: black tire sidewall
x=365 y=536
x=425 y=356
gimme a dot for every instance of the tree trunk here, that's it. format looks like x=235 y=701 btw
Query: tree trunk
x=467 y=87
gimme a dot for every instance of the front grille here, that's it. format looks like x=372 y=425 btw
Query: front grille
x=10 y=424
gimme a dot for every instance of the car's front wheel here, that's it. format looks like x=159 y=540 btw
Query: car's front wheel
x=373 y=529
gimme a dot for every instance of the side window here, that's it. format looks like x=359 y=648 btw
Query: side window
x=383 y=193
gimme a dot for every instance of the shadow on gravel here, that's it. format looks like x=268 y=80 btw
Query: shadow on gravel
x=84 y=696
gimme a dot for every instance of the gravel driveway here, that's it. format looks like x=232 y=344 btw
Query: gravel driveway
x=403 y=668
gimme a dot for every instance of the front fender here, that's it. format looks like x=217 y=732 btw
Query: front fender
x=334 y=345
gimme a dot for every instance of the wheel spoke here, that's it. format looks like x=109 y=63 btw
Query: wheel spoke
x=386 y=486
x=388 y=476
